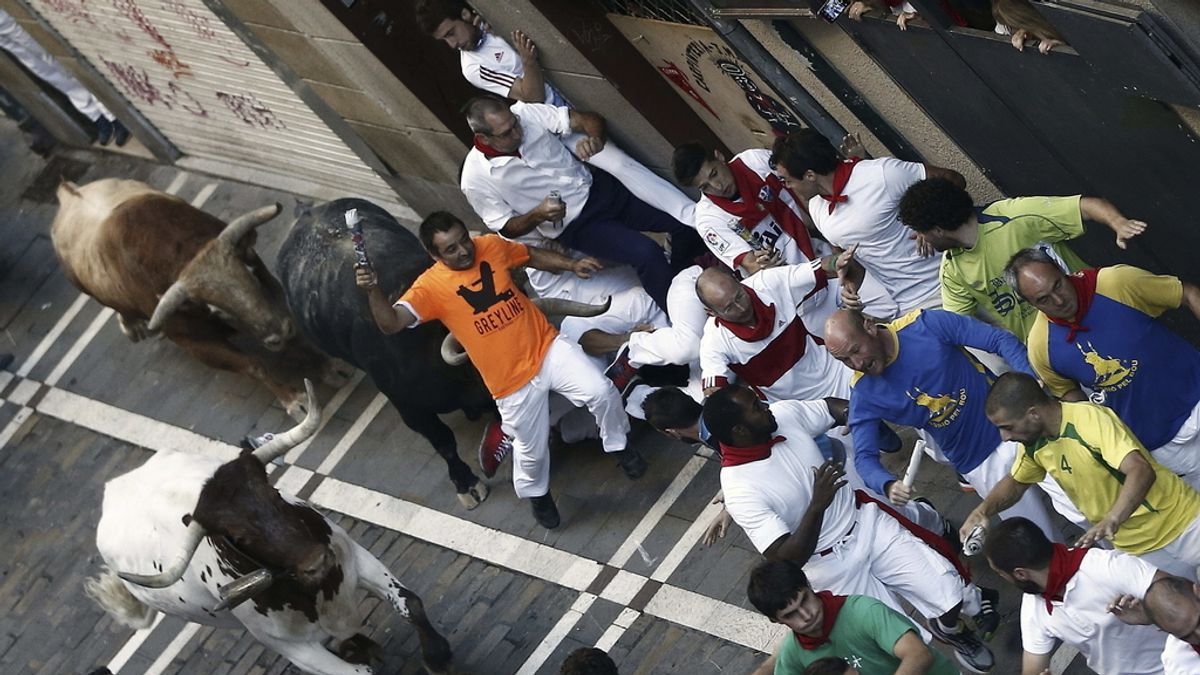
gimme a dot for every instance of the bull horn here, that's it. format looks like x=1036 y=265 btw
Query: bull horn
x=174 y=570
x=241 y=226
x=276 y=447
x=452 y=351
x=170 y=301
x=243 y=588
x=560 y=307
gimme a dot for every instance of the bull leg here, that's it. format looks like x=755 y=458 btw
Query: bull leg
x=311 y=657
x=134 y=328
x=379 y=582
x=217 y=352
x=470 y=489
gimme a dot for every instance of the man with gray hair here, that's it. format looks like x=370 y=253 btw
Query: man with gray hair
x=522 y=180
x=1097 y=329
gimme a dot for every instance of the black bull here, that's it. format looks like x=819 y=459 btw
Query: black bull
x=316 y=266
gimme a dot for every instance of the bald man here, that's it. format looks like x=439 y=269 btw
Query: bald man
x=1171 y=604
x=914 y=371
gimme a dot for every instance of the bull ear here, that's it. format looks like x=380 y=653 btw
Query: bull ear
x=452 y=351
x=562 y=307
x=170 y=301
x=240 y=226
x=175 y=569
x=289 y=439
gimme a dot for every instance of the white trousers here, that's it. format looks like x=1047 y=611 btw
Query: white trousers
x=525 y=413
x=1180 y=557
x=642 y=182
x=17 y=41
x=1182 y=454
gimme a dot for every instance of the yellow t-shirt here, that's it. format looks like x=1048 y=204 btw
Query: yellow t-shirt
x=1085 y=458
x=504 y=334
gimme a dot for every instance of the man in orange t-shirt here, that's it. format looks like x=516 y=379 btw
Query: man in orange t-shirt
x=518 y=353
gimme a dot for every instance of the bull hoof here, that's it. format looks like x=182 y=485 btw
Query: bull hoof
x=436 y=657
x=475 y=496
x=134 y=329
x=358 y=649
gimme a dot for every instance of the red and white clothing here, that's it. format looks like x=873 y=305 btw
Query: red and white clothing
x=678 y=343
x=1082 y=620
x=495 y=66
x=1180 y=658
x=870 y=218
x=785 y=362
x=861 y=550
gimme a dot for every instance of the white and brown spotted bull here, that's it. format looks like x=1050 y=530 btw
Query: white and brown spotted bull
x=215 y=544
x=166 y=266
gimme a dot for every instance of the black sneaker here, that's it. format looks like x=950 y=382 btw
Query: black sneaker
x=104 y=130
x=621 y=372
x=631 y=463
x=970 y=651
x=120 y=133
x=544 y=511
x=988 y=619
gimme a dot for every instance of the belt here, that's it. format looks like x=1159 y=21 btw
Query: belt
x=825 y=552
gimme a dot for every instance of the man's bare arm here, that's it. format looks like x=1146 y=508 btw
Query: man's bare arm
x=390 y=319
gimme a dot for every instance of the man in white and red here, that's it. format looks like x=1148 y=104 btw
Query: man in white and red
x=1072 y=595
x=795 y=505
x=1173 y=605
x=856 y=202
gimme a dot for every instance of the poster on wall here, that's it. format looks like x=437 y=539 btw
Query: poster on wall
x=724 y=91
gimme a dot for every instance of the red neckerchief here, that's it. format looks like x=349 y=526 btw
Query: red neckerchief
x=750 y=210
x=1195 y=648
x=1064 y=563
x=733 y=456
x=833 y=605
x=492 y=153
x=1084 y=282
x=764 y=320
x=841 y=176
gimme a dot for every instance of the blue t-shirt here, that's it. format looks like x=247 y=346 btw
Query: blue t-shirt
x=932 y=384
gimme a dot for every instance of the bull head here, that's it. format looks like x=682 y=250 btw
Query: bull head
x=196 y=532
x=453 y=353
x=227 y=275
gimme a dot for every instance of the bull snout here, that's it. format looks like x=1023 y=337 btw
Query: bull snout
x=279 y=338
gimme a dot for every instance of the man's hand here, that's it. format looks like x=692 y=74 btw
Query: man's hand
x=1127 y=229
x=852 y=145
x=846 y=273
x=924 y=248
x=365 y=277
x=477 y=20
x=717 y=527
x=764 y=258
x=1018 y=39
x=1104 y=529
x=586 y=266
x=1046 y=45
x=899 y=493
x=525 y=47
x=903 y=18
x=1129 y=610
x=975 y=518
x=551 y=210
x=829 y=478
x=857 y=9
x=587 y=147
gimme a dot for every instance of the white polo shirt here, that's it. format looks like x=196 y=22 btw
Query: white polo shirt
x=788 y=364
x=768 y=498
x=870 y=217
x=503 y=187
x=1179 y=658
x=495 y=66
x=728 y=240
x=1082 y=619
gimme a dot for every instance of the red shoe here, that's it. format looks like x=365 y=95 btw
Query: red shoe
x=493 y=448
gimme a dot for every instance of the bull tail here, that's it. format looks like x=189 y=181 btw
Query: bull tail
x=114 y=597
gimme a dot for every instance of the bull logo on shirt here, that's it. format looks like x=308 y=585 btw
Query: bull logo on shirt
x=1111 y=373
x=483 y=299
x=943 y=408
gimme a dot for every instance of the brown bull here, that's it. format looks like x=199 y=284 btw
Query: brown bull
x=166 y=266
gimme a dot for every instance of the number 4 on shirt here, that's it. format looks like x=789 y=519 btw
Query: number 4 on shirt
x=1064 y=466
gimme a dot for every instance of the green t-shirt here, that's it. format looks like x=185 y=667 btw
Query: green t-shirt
x=974 y=277
x=864 y=635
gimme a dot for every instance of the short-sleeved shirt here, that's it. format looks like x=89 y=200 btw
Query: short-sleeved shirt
x=1180 y=658
x=974 y=277
x=495 y=66
x=506 y=337
x=935 y=385
x=865 y=635
x=787 y=363
x=1083 y=621
x=1135 y=365
x=728 y=239
x=870 y=217
x=1085 y=459
x=767 y=498
x=500 y=188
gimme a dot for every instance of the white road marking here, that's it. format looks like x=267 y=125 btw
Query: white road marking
x=76 y=350
x=560 y=630
x=131 y=645
x=204 y=193
x=1062 y=658
x=160 y=664
x=176 y=183
x=352 y=435
x=622 y=623
x=656 y=512
x=48 y=341
x=327 y=413
x=15 y=423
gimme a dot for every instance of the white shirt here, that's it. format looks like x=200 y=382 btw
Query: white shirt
x=501 y=188
x=768 y=498
x=495 y=66
x=728 y=240
x=794 y=367
x=1082 y=620
x=1178 y=658
x=871 y=218
x=680 y=342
